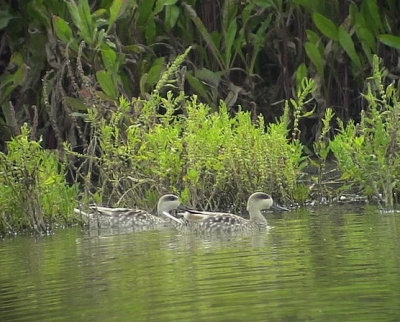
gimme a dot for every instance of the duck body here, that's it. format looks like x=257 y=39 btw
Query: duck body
x=126 y=218
x=219 y=222
x=122 y=218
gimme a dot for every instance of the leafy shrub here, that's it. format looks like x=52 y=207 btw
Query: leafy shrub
x=33 y=190
x=177 y=144
x=368 y=152
x=229 y=157
x=211 y=158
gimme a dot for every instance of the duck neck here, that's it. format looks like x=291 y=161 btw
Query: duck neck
x=257 y=217
x=161 y=209
x=167 y=207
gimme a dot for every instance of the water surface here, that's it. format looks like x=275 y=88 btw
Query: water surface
x=326 y=264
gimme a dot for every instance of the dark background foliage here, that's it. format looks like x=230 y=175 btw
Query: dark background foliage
x=59 y=57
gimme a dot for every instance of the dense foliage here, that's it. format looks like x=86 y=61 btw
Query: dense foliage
x=257 y=88
x=34 y=194
x=368 y=152
x=211 y=158
x=252 y=53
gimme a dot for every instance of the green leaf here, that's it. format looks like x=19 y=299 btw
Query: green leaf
x=308 y=113
x=390 y=40
x=247 y=13
x=5 y=17
x=142 y=84
x=155 y=71
x=301 y=73
x=62 y=29
x=316 y=58
x=150 y=31
x=312 y=36
x=74 y=12
x=99 y=13
x=86 y=16
x=8 y=82
x=210 y=77
x=353 y=11
x=50 y=180
x=366 y=37
x=311 y=5
x=117 y=8
x=326 y=26
x=82 y=19
x=145 y=11
x=373 y=11
x=168 y=2
x=109 y=57
x=171 y=16
x=348 y=45
x=75 y=104
x=198 y=86
x=205 y=34
x=264 y=3
x=160 y=5
x=137 y=49
x=229 y=39
x=86 y=27
x=107 y=83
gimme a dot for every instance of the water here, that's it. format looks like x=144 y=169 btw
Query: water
x=330 y=264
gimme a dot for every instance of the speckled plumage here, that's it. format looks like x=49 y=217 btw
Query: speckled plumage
x=209 y=222
x=126 y=218
x=123 y=218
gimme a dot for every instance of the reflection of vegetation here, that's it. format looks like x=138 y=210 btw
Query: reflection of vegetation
x=321 y=266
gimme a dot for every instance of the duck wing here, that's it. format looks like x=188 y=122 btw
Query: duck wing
x=107 y=211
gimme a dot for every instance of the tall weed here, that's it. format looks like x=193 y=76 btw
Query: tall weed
x=34 y=194
x=368 y=152
x=178 y=144
x=211 y=158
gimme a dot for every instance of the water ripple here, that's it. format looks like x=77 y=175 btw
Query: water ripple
x=309 y=266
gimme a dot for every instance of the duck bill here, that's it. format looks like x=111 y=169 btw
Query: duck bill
x=184 y=208
x=276 y=207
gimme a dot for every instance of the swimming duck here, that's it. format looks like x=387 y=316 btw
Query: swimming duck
x=105 y=217
x=218 y=222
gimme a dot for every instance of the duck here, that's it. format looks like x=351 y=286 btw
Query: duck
x=220 y=222
x=106 y=217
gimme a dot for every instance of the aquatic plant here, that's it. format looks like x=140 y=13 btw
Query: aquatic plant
x=321 y=151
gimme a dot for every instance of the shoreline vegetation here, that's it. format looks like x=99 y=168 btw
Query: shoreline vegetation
x=102 y=131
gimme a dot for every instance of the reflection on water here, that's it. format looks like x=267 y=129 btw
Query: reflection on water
x=315 y=265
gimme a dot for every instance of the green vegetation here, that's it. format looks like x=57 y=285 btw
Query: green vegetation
x=249 y=53
x=368 y=152
x=258 y=91
x=34 y=194
x=211 y=158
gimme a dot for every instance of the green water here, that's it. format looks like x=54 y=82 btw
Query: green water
x=327 y=265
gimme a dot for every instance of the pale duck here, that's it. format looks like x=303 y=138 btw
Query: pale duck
x=219 y=222
x=106 y=217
